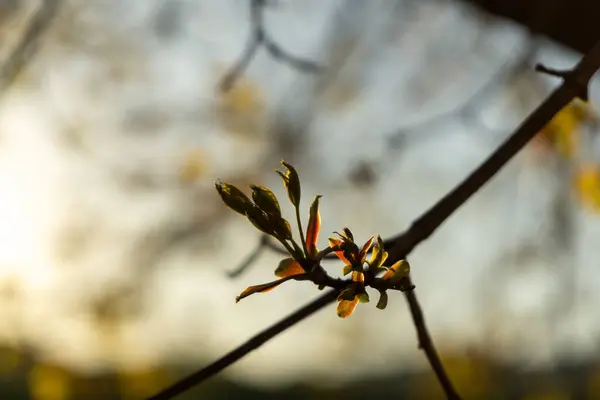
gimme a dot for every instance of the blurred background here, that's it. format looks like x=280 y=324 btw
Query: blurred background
x=115 y=248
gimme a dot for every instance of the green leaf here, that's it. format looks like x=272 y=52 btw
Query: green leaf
x=291 y=181
x=347 y=269
x=383 y=300
x=314 y=228
x=349 y=234
x=233 y=197
x=260 y=220
x=363 y=297
x=265 y=199
x=378 y=256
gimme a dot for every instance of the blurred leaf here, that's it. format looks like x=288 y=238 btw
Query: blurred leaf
x=587 y=186
x=193 y=166
x=48 y=382
x=242 y=109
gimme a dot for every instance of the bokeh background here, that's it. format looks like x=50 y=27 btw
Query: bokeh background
x=115 y=248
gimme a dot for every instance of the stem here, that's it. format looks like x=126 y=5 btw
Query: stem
x=302 y=238
x=294 y=252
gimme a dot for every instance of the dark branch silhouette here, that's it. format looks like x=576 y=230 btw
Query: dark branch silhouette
x=252 y=344
x=575 y=84
x=259 y=37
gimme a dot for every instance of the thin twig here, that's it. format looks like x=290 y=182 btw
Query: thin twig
x=574 y=85
x=259 y=37
x=250 y=258
x=426 y=344
x=252 y=344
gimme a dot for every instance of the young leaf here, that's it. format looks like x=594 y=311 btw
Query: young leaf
x=313 y=229
x=358 y=277
x=336 y=246
x=347 y=269
x=265 y=287
x=289 y=267
x=383 y=300
x=260 y=219
x=378 y=256
x=291 y=181
x=363 y=252
x=283 y=229
x=363 y=297
x=233 y=197
x=266 y=200
x=346 y=307
x=396 y=272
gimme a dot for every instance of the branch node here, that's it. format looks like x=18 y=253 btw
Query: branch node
x=569 y=77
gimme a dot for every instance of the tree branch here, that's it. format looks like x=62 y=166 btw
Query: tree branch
x=252 y=344
x=259 y=37
x=575 y=85
x=426 y=344
x=27 y=45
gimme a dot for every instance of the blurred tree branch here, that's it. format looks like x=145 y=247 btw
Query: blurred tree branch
x=575 y=85
x=26 y=47
x=259 y=37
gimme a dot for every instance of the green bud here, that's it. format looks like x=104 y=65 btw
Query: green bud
x=283 y=230
x=266 y=200
x=383 y=300
x=347 y=269
x=363 y=297
x=349 y=234
x=260 y=220
x=233 y=197
x=291 y=181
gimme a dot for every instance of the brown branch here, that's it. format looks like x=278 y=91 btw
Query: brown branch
x=575 y=85
x=252 y=344
x=426 y=344
x=259 y=37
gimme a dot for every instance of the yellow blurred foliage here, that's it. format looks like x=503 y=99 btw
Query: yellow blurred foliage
x=10 y=360
x=137 y=385
x=470 y=374
x=548 y=395
x=193 y=166
x=587 y=184
x=593 y=384
x=47 y=382
x=241 y=110
x=561 y=134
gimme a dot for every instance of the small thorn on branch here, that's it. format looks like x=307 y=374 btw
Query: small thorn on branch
x=569 y=77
